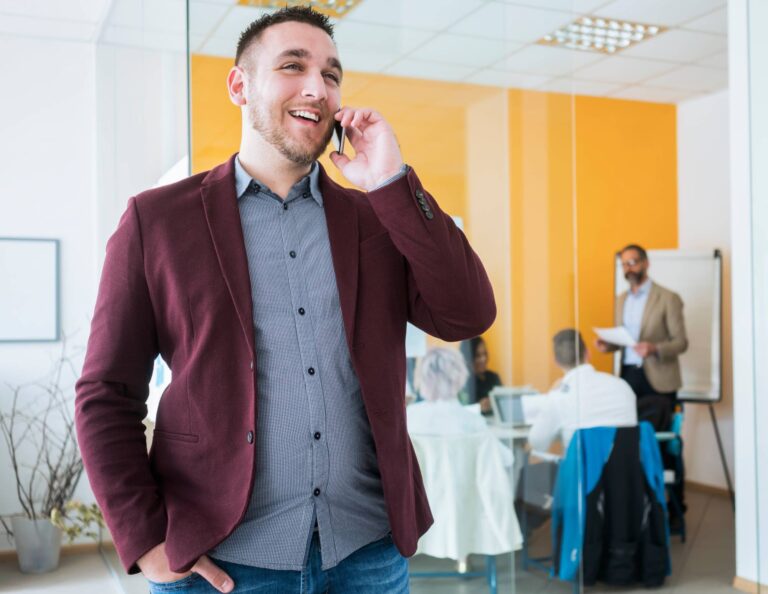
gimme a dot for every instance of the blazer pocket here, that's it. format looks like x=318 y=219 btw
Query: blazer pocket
x=374 y=244
x=171 y=435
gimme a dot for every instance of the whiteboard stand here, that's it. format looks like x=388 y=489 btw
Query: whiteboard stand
x=722 y=456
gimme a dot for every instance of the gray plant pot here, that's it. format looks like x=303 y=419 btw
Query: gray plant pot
x=38 y=543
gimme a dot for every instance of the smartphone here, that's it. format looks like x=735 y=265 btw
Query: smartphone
x=339 y=136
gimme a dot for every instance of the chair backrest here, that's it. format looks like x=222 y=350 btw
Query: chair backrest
x=605 y=485
x=470 y=492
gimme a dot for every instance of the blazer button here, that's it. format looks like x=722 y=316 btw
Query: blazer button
x=419 y=194
x=249 y=437
x=429 y=215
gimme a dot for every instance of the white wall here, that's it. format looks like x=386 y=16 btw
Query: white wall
x=47 y=150
x=748 y=74
x=83 y=126
x=703 y=223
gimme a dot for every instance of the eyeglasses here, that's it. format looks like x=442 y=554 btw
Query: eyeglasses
x=630 y=263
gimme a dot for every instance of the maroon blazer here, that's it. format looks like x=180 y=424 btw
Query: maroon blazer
x=175 y=282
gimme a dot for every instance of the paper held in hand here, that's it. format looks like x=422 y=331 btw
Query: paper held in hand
x=618 y=336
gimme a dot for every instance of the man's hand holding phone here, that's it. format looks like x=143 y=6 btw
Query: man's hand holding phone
x=377 y=154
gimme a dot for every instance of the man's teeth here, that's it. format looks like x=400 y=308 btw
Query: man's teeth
x=306 y=115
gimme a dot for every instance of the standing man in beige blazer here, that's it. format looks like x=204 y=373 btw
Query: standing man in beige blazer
x=653 y=316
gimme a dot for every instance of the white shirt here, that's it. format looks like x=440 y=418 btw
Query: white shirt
x=443 y=418
x=585 y=398
x=632 y=319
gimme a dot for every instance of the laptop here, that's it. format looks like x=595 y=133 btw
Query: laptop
x=507 y=405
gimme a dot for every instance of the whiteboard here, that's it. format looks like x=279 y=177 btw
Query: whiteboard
x=29 y=291
x=697 y=277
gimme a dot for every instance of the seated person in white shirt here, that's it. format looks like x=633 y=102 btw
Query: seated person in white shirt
x=583 y=397
x=440 y=375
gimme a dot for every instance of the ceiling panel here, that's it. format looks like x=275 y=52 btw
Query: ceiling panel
x=658 y=12
x=464 y=50
x=38 y=27
x=364 y=61
x=170 y=15
x=432 y=15
x=714 y=22
x=430 y=70
x=144 y=38
x=204 y=17
x=623 y=70
x=692 y=78
x=352 y=37
x=718 y=60
x=497 y=20
x=235 y=22
x=92 y=11
x=507 y=79
x=678 y=46
x=554 y=61
x=576 y=6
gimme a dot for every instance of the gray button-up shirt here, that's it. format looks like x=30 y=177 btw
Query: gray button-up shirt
x=316 y=461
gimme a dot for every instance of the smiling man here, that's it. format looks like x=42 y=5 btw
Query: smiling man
x=280 y=458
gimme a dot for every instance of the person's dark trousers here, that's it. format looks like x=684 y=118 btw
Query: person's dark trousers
x=656 y=408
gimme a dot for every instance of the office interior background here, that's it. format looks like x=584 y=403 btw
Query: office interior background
x=552 y=157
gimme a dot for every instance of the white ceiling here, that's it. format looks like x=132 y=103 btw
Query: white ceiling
x=489 y=42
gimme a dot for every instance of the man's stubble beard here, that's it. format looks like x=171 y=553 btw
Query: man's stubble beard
x=292 y=150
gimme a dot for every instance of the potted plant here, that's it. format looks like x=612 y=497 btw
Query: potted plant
x=39 y=432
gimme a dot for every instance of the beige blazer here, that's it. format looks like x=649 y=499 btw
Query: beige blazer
x=664 y=326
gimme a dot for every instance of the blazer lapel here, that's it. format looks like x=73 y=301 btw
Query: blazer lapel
x=653 y=297
x=223 y=217
x=341 y=218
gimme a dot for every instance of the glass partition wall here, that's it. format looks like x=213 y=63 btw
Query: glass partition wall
x=549 y=160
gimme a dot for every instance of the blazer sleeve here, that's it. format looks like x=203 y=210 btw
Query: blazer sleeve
x=111 y=395
x=449 y=294
x=677 y=343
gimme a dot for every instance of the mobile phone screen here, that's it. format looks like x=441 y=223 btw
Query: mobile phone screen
x=339 y=135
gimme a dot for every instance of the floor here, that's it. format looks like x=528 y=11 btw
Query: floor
x=703 y=565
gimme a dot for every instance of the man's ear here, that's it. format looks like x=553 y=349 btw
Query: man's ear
x=236 y=86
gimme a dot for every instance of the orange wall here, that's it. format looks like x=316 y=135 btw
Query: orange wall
x=621 y=154
x=623 y=157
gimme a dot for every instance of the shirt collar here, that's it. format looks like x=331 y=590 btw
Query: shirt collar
x=571 y=373
x=243 y=181
x=643 y=289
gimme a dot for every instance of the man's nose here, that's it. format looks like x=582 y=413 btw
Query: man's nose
x=314 y=86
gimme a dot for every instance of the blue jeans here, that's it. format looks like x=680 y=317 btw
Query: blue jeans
x=377 y=568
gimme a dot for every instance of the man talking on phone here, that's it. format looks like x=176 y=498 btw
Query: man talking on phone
x=280 y=459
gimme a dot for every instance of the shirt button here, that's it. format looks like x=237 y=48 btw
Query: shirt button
x=311 y=371
x=316 y=492
x=249 y=437
x=285 y=206
x=302 y=311
x=317 y=435
x=306 y=194
x=292 y=254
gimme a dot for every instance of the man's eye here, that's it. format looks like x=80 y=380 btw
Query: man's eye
x=291 y=67
x=332 y=76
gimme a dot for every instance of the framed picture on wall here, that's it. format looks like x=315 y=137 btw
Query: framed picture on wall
x=29 y=291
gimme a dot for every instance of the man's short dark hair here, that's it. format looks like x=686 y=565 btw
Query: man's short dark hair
x=633 y=246
x=570 y=349
x=299 y=14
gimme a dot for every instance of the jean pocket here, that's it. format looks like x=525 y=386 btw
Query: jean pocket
x=182 y=585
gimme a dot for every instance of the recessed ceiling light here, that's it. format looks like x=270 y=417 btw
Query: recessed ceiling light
x=606 y=36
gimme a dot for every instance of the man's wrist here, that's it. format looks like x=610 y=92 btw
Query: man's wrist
x=392 y=178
